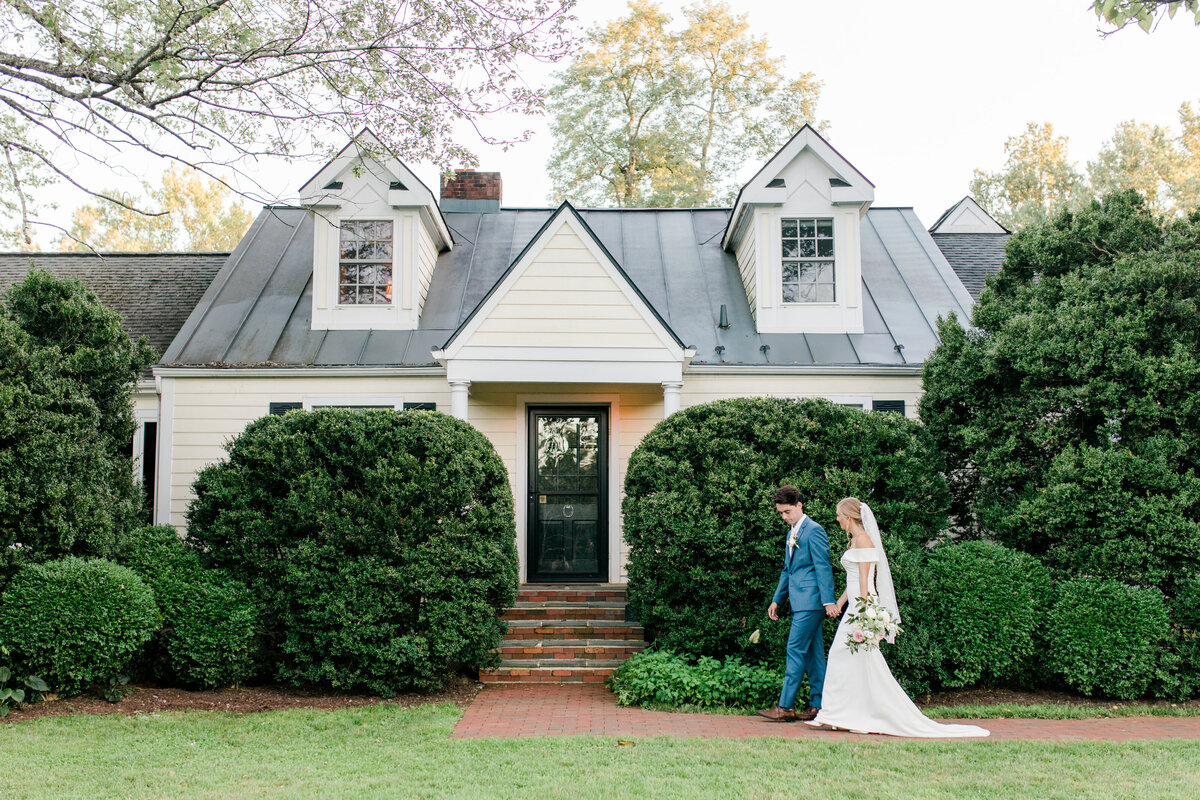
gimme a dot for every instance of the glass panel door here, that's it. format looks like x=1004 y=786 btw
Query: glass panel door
x=568 y=520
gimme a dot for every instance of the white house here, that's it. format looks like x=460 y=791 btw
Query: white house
x=544 y=328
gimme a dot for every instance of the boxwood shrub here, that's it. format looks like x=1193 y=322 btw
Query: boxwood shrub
x=986 y=605
x=380 y=545
x=1106 y=638
x=1185 y=635
x=666 y=678
x=706 y=544
x=76 y=622
x=209 y=619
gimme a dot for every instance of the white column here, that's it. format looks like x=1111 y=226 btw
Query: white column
x=458 y=399
x=671 y=398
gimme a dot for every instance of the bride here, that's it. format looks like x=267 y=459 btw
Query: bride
x=860 y=693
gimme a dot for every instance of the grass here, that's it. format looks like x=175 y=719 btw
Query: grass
x=996 y=711
x=389 y=752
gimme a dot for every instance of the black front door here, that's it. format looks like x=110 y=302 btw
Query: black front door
x=568 y=490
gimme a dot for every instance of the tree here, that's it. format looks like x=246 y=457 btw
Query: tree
x=1146 y=13
x=1069 y=413
x=67 y=369
x=197 y=215
x=220 y=82
x=1037 y=180
x=1138 y=157
x=649 y=116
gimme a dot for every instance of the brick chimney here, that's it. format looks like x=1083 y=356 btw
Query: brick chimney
x=471 y=191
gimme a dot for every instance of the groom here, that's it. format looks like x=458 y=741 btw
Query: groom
x=807 y=581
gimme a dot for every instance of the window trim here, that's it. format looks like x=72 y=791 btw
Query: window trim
x=342 y=401
x=832 y=260
x=862 y=402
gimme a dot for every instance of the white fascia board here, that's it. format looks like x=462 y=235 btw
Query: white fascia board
x=490 y=371
x=805 y=369
x=564 y=217
x=297 y=372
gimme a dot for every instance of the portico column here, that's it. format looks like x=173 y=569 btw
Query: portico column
x=458 y=399
x=671 y=398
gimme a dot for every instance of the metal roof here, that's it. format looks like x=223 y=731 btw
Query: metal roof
x=153 y=292
x=258 y=309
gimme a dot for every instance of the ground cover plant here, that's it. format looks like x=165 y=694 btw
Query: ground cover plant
x=384 y=751
x=379 y=545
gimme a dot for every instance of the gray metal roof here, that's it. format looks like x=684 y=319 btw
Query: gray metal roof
x=153 y=292
x=258 y=309
x=973 y=256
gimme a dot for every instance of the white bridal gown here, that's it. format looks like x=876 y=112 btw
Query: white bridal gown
x=860 y=693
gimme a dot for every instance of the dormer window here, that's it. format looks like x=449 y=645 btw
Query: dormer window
x=808 y=262
x=365 y=260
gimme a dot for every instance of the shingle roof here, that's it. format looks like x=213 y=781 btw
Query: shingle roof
x=153 y=292
x=974 y=256
x=258 y=309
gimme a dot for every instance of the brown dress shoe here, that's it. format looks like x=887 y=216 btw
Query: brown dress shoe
x=779 y=714
x=808 y=714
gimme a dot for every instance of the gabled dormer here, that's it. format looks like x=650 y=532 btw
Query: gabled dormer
x=796 y=233
x=967 y=216
x=377 y=233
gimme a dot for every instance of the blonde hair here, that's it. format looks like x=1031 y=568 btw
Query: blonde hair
x=852 y=508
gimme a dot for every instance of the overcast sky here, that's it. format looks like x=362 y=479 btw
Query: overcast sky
x=916 y=94
x=919 y=94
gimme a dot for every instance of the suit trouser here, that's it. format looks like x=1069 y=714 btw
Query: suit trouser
x=805 y=653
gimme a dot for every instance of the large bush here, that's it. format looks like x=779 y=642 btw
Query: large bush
x=209 y=619
x=669 y=679
x=1068 y=412
x=76 y=622
x=67 y=369
x=706 y=544
x=1106 y=638
x=1185 y=635
x=380 y=544
x=986 y=606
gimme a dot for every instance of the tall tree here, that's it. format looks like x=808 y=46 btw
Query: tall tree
x=1144 y=13
x=195 y=215
x=1139 y=157
x=1037 y=179
x=651 y=116
x=220 y=82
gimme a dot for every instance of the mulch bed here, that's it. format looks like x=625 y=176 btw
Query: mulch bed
x=146 y=699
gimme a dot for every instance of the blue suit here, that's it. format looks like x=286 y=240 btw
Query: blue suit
x=807 y=581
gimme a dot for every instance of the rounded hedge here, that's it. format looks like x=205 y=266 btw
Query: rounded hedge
x=76 y=622
x=1185 y=631
x=1106 y=638
x=705 y=541
x=986 y=606
x=210 y=621
x=380 y=544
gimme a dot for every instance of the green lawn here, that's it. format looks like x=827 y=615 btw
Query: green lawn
x=388 y=752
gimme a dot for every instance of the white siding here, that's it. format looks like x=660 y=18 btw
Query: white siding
x=426 y=261
x=699 y=389
x=747 y=266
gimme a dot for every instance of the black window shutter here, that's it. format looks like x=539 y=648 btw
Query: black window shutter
x=283 y=408
x=895 y=406
x=420 y=406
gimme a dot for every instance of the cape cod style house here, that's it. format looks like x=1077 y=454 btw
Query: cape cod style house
x=562 y=334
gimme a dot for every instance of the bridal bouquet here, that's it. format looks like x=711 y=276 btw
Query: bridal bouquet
x=869 y=624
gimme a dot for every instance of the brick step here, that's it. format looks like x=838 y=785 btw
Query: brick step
x=560 y=663
x=524 y=629
x=570 y=649
x=561 y=613
x=521 y=675
x=613 y=593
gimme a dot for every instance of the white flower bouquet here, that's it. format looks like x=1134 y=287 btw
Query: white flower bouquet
x=869 y=624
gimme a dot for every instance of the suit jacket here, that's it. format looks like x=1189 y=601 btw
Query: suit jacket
x=807 y=575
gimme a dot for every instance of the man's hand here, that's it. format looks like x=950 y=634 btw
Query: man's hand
x=773 y=611
x=831 y=610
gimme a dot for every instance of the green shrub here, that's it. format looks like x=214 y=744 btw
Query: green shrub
x=660 y=676
x=916 y=655
x=380 y=545
x=1105 y=637
x=706 y=544
x=1185 y=633
x=76 y=622
x=986 y=605
x=209 y=619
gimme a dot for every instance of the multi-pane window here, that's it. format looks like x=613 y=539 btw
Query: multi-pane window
x=365 y=263
x=808 y=275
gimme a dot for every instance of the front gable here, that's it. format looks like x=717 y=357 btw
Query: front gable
x=564 y=311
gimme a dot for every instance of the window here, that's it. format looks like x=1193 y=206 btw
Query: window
x=890 y=406
x=365 y=263
x=808 y=275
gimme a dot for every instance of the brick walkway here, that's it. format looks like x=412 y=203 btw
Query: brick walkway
x=518 y=711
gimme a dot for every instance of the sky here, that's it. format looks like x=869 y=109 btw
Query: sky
x=917 y=95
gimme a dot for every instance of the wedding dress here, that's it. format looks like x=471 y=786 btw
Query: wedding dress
x=860 y=693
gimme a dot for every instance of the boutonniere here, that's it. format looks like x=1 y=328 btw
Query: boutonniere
x=792 y=540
